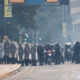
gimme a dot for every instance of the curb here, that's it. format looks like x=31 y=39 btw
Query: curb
x=24 y=74
x=5 y=75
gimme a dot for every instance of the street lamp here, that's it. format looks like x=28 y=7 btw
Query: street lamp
x=20 y=38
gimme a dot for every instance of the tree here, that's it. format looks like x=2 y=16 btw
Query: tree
x=23 y=17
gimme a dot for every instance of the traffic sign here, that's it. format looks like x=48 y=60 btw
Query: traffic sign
x=17 y=1
x=52 y=1
x=7 y=9
x=35 y=2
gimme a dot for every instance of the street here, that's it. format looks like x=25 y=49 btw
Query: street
x=65 y=71
x=39 y=40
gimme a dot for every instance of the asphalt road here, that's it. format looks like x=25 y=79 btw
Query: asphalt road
x=67 y=71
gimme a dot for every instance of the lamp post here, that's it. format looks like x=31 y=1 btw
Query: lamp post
x=20 y=38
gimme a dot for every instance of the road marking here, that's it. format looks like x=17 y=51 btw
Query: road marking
x=25 y=74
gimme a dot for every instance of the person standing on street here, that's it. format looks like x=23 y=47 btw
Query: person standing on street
x=1 y=53
x=6 y=52
x=33 y=53
x=76 y=53
x=58 y=54
x=20 y=54
x=12 y=51
x=40 y=51
x=27 y=52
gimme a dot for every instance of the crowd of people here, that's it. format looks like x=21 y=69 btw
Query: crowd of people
x=42 y=54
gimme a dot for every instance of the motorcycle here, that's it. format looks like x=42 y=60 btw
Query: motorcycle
x=48 y=56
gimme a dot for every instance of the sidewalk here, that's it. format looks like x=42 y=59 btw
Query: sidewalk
x=7 y=70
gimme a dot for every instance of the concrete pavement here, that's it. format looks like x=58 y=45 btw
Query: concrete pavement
x=7 y=70
x=56 y=72
x=65 y=71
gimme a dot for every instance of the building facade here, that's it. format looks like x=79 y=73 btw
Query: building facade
x=75 y=15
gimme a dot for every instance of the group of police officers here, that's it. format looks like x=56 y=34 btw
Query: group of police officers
x=11 y=53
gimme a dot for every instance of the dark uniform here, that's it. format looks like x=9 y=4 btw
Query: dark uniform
x=12 y=51
x=20 y=53
x=58 y=54
x=68 y=53
x=27 y=52
x=53 y=52
x=33 y=53
x=76 y=53
x=1 y=55
x=40 y=51
x=47 y=51
x=6 y=52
